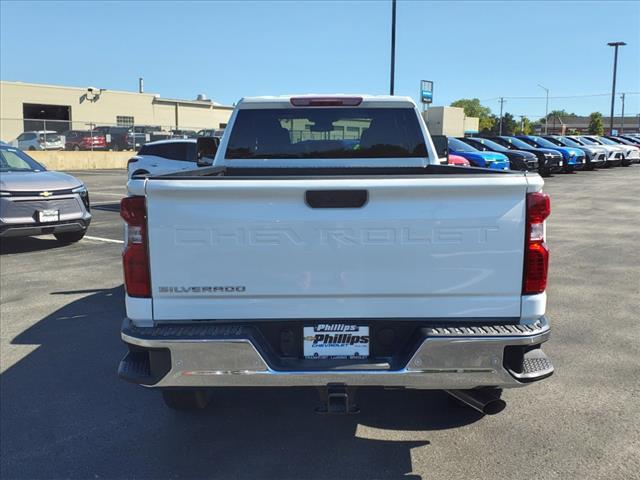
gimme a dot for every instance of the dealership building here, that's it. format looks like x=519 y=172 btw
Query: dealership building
x=30 y=106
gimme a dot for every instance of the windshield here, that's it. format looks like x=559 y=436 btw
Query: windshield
x=606 y=141
x=587 y=141
x=13 y=160
x=491 y=145
x=516 y=142
x=570 y=142
x=555 y=141
x=460 y=146
x=542 y=142
x=526 y=141
x=326 y=133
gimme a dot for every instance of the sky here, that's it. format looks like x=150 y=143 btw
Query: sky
x=228 y=50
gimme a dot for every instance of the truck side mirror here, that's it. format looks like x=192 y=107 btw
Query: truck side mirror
x=442 y=147
x=206 y=148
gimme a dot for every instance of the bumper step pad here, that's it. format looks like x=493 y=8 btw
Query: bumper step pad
x=135 y=368
x=535 y=366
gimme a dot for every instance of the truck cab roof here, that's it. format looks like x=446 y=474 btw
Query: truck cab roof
x=364 y=100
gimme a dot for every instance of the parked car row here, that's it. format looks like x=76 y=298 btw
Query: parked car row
x=104 y=138
x=543 y=154
x=546 y=154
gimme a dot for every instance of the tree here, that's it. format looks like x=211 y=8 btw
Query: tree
x=473 y=108
x=560 y=113
x=524 y=126
x=508 y=125
x=596 y=126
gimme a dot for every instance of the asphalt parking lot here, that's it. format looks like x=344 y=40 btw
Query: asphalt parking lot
x=65 y=414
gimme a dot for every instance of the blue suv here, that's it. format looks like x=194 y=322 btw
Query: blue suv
x=477 y=158
x=574 y=158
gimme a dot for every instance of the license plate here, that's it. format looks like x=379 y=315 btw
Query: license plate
x=336 y=340
x=49 y=215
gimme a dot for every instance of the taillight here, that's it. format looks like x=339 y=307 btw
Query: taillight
x=135 y=259
x=536 y=254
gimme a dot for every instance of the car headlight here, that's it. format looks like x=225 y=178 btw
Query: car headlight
x=84 y=196
x=82 y=190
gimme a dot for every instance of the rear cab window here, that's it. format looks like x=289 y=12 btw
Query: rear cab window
x=326 y=133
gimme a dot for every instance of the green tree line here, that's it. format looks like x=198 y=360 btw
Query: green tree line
x=489 y=123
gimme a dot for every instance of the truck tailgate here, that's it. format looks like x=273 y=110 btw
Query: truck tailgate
x=438 y=246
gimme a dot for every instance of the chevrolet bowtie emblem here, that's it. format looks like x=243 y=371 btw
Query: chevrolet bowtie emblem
x=46 y=194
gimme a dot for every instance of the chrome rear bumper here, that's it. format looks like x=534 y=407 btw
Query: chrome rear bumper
x=456 y=357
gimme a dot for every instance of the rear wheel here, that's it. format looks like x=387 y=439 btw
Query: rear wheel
x=196 y=399
x=139 y=172
x=76 y=148
x=69 y=237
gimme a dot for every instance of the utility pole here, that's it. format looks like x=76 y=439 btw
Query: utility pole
x=546 y=110
x=622 y=119
x=522 y=124
x=501 y=103
x=393 y=46
x=613 y=86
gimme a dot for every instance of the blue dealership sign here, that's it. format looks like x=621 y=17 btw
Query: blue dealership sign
x=426 y=91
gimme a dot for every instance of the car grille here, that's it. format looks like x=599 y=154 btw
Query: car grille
x=68 y=207
x=36 y=193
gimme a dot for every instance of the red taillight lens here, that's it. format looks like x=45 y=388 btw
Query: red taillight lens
x=536 y=254
x=135 y=259
x=325 y=101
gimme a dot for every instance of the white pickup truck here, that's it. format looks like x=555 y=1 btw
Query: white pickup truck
x=326 y=246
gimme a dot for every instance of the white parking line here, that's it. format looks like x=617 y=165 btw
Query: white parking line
x=100 y=239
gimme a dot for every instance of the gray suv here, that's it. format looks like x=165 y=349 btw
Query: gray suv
x=34 y=201
x=40 y=140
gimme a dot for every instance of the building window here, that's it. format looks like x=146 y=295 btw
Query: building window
x=124 y=121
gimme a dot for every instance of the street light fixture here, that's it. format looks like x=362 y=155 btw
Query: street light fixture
x=546 y=110
x=613 y=86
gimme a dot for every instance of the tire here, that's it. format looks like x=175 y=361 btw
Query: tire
x=69 y=237
x=186 y=400
x=32 y=149
x=76 y=148
x=139 y=172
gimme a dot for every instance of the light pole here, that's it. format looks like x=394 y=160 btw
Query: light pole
x=501 y=104
x=622 y=117
x=613 y=86
x=546 y=109
x=393 y=46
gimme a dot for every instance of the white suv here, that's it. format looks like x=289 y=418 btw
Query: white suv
x=163 y=156
x=39 y=140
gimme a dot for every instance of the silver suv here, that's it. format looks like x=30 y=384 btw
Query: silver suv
x=39 y=140
x=34 y=201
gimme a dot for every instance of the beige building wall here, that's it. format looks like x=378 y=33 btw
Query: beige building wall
x=103 y=108
x=450 y=121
